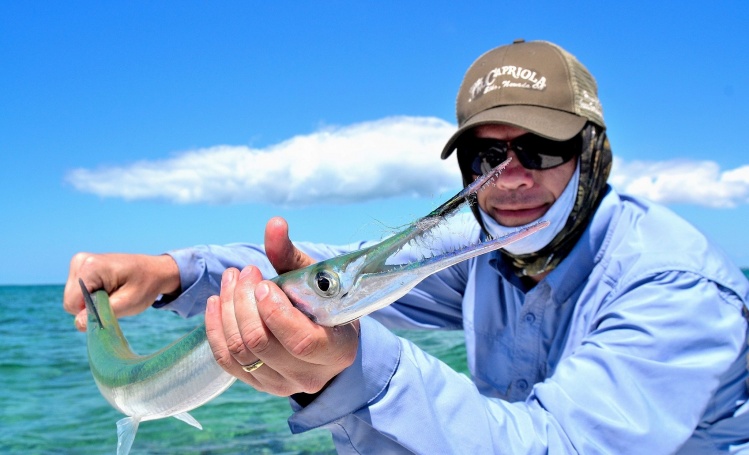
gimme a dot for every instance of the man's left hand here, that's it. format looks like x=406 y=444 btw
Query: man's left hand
x=253 y=320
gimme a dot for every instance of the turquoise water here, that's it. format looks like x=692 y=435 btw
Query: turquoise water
x=49 y=403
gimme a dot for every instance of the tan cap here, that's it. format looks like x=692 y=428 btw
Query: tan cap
x=537 y=86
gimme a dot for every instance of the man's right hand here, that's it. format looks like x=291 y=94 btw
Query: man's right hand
x=133 y=282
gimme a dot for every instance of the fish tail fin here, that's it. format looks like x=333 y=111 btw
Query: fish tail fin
x=126 y=429
x=188 y=419
x=90 y=305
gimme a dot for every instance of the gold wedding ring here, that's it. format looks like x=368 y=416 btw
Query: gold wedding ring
x=253 y=366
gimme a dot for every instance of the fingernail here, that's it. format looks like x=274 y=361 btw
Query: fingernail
x=80 y=323
x=245 y=271
x=210 y=306
x=261 y=291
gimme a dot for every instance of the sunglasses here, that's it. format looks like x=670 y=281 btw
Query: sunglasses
x=533 y=152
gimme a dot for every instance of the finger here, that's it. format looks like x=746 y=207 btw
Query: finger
x=95 y=272
x=254 y=334
x=214 y=327
x=318 y=353
x=81 y=320
x=298 y=335
x=72 y=300
x=214 y=331
x=281 y=253
x=282 y=374
x=234 y=342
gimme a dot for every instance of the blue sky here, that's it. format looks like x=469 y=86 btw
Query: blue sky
x=146 y=126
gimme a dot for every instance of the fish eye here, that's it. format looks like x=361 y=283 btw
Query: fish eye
x=326 y=283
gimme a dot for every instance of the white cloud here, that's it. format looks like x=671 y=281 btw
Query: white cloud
x=390 y=157
x=682 y=181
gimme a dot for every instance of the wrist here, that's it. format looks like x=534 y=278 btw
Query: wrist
x=169 y=283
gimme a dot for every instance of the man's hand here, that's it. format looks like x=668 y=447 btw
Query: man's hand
x=253 y=320
x=133 y=282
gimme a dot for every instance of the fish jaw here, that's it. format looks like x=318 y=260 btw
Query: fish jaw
x=341 y=289
x=363 y=281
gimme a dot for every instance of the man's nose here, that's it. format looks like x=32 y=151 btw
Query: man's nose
x=514 y=176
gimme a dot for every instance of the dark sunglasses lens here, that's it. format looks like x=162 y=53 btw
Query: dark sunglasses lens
x=533 y=152
x=536 y=152
x=490 y=153
x=476 y=165
x=531 y=160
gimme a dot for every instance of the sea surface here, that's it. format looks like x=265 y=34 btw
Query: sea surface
x=49 y=403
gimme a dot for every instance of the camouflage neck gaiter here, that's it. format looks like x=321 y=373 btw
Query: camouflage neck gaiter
x=595 y=166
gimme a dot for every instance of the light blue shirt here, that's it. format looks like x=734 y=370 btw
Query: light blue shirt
x=635 y=343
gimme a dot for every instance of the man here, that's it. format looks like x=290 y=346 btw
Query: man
x=618 y=329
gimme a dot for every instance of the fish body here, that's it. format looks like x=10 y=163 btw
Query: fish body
x=185 y=375
x=167 y=383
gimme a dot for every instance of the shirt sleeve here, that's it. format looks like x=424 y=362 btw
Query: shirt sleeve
x=638 y=383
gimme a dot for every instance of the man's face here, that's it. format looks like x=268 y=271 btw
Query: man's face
x=520 y=196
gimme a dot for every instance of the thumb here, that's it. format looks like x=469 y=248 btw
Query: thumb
x=282 y=254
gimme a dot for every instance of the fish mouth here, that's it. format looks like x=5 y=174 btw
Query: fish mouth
x=423 y=231
x=339 y=290
x=436 y=259
x=380 y=283
x=419 y=231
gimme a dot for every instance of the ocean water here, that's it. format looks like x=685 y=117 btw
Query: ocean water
x=49 y=403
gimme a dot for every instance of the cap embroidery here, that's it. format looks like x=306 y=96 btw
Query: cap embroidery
x=519 y=77
x=591 y=104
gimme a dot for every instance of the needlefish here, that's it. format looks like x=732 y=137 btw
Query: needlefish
x=185 y=375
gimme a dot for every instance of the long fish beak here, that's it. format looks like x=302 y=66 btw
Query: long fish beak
x=344 y=288
x=380 y=253
x=90 y=305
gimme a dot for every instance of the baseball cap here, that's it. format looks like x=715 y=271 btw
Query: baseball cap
x=535 y=85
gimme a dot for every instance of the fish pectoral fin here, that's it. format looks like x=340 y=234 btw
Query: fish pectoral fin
x=188 y=419
x=126 y=429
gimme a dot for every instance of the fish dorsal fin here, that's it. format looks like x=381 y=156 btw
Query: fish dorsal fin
x=126 y=429
x=188 y=419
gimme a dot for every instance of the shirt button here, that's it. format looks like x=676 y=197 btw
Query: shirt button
x=530 y=317
x=522 y=384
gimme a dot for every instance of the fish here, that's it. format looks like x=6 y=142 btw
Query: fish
x=342 y=289
x=185 y=375
x=168 y=383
